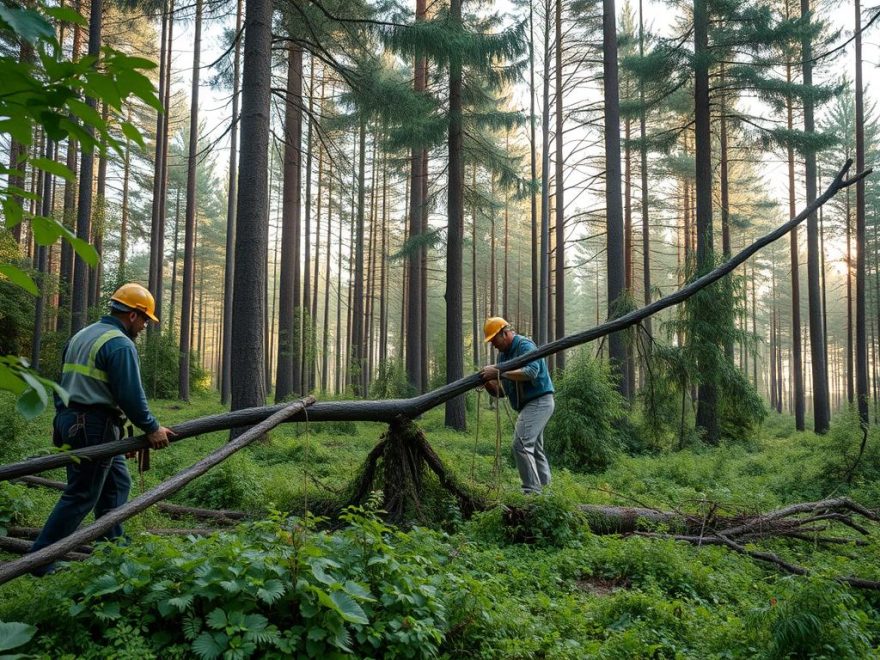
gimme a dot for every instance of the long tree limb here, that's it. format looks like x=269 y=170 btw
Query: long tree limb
x=387 y=410
x=103 y=524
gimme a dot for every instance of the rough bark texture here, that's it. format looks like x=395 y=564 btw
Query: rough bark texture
x=288 y=293
x=252 y=225
x=189 y=234
x=79 y=293
x=821 y=409
x=229 y=271
x=707 y=419
x=613 y=202
x=455 y=412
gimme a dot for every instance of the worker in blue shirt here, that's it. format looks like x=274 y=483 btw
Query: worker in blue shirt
x=530 y=392
x=102 y=377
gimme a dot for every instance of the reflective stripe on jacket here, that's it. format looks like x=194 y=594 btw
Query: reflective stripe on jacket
x=80 y=376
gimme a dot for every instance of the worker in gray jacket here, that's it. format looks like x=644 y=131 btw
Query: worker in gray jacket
x=102 y=377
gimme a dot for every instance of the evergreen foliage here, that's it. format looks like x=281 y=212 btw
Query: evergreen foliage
x=583 y=433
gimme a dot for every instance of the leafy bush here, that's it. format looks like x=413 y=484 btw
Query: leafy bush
x=234 y=484
x=160 y=359
x=548 y=520
x=15 y=430
x=812 y=618
x=16 y=306
x=583 y=434
x=391 y=381
x=272 y=588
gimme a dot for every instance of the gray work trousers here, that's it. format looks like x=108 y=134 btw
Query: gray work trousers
x=528 y=443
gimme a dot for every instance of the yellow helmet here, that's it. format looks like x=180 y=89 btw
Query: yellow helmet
x=494 y=325
x=135 y=296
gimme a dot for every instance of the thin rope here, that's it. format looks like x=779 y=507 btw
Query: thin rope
x=496 y=468
x=476 y=437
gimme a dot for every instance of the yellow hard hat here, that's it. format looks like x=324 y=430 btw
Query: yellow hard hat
x=137 y=297
x=494 y=325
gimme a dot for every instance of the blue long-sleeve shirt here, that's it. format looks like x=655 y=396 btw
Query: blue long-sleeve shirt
x=118 y=359
x=519 y=393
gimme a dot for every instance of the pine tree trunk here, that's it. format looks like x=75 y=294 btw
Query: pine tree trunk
x=643 y=152
x=617 y=350
x=534 y=172
x=186 y=312
x=123 y=225
x=80 y=288
x=172 y=311
x=544 y=281
x=252 y=230
x=455 y=409
x=796 y=368
x=287 y=375
x=65 y=270
x=229 y=267
x=99 y=219
x=325 y=334
x=357 y=363
x=159 y=294
x=155 y=266
x=817 y=335
x=559 y=358
x=861 y=356
x=707 y=419
x=850 y=380
x=41 y=251
x=307 y=317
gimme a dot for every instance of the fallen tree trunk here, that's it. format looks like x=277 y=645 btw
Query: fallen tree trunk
x=795 y=521
x=21 y=546
x=390 y=409
x=219 y=516
x=88 y=534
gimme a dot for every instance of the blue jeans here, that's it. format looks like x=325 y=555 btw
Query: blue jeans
x=101 y=485
x=528 y=443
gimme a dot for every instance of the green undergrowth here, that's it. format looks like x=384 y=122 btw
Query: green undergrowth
x=525 y=579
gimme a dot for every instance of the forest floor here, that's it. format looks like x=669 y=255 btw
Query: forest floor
x=570 y=594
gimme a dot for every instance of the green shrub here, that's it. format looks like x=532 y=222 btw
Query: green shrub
x=812 y=618
x=16 y=431
x=391 y=381
x=274 y=588
x=583 y=432
x=234 y=484
x=548 y=520
x=160 y=359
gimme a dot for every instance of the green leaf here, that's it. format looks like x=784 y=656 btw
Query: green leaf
x=27 y=24
x=63 y=394
x=46 y=230
x=19 y=278
x=85 y=251
x=216 y=619
x=13 y=212
x=208 y=646
x=271 y=591
x=66 y=15
x=14 y=634
x=53 y=167
x=11 y=381
x=321 y=575
x=18 y=127
x=133 y=134
x=350 y=610
x=85 y=112
x=34 y=381
x=31 y=404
